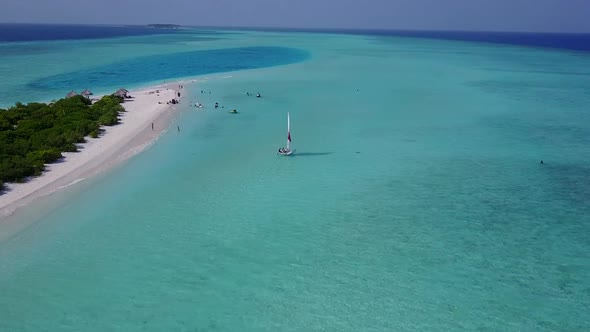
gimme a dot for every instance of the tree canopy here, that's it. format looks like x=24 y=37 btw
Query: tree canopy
x=36 y=134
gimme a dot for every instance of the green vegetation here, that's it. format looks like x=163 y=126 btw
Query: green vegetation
x=36 y=134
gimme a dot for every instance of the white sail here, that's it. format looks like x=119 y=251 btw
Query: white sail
x=287 y=151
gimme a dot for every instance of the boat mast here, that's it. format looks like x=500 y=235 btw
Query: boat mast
x=288 y=132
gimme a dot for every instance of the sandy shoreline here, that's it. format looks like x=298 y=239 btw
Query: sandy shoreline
x=132 y=135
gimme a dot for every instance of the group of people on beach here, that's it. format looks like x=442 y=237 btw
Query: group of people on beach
x=175 y=101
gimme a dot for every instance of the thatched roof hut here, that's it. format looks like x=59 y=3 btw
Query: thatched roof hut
x=71 y=94
x=86 y=93
x=121 y=93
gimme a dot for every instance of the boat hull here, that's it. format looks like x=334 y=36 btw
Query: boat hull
x=285 y=153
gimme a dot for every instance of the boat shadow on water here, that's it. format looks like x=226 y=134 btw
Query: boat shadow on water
x=310 y=154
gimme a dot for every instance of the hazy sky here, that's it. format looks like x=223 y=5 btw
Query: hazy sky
x=503 y=15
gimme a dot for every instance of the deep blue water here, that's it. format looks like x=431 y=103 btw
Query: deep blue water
x=569 y=41
x=163 y=67
x=37 y=32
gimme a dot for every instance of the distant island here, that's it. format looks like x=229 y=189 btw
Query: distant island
x=163 y=26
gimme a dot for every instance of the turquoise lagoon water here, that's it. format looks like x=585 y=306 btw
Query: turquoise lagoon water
x=162 y=67
x=40 y=71
x=415 y=201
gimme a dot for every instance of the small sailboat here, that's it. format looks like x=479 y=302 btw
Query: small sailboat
x=287 y=151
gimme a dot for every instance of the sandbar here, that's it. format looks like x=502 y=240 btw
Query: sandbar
x=117 y=143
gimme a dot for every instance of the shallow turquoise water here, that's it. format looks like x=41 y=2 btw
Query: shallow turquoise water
x=416 y=201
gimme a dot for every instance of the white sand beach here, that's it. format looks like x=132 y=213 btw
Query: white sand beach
x=133 y=134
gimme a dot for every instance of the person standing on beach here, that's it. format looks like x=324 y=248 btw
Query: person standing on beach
x=178 y=127
x=152 y=126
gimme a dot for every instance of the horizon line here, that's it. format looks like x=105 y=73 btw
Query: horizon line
x=302 y=29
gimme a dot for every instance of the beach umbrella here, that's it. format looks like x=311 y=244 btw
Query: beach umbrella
x=71 y=94
x=86 y=93
x=121 y=93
